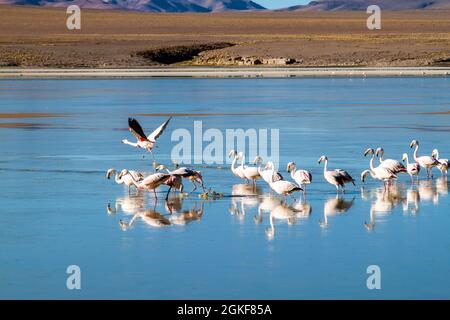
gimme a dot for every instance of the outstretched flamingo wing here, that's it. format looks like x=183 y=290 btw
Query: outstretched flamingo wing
x=158 y=131
x=136 y=129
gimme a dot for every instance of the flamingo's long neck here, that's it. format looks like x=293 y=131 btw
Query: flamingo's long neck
x=372 y=174
x=242 y=162
x=259 y=165
x=407 y=160
x=130 y=143
x=272 y=226
x=415 y=153
x=233 y=164
x=436 y=155
x=293 y=171
x=133 y=181
x=381 y=155
x=372 y=168
x=118 y=180
x=325 y=167
x=272 y=173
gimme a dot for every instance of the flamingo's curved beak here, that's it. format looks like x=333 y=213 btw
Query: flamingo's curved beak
x=368 y=151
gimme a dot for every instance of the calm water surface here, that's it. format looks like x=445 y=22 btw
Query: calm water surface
x=58 y=209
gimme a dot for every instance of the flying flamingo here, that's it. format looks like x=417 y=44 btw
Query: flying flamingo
x=151 y=182
x=192 y=175
x=237 y=170
x=380 y=173
x=337 y=177
x=443 y=163
x=143 y=141
x=412 y=168
x=394 y=165
x=125 y=179
x=282 y=187
x=425 y=162
x=302 y=177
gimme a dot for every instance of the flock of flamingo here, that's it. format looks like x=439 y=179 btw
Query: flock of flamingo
x=172 y=179
x=387 y=170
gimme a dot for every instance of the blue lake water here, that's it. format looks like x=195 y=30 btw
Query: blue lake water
x=58 y=209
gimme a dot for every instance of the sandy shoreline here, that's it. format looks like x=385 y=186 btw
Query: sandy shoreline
x=205 y=72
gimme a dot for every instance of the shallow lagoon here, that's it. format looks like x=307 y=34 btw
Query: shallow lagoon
x=58 y=208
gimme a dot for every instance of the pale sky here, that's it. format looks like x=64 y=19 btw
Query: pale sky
x=276 y=4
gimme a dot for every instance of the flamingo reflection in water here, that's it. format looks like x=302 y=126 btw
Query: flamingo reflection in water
x=150 y=217
x=442 y=186
x=242 y=196
x=412 y=201
x=428 y=191
x=385 y=200
x=266 y=204
x=136 y=205
x=432 y=193
x=187 y=216
x=289 y=213
x=335 y=206
x=128 y=204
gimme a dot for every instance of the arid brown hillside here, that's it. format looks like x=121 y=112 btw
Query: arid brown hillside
x=37 y=37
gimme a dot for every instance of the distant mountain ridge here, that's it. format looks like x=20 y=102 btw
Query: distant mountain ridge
x=148 y=5
x=352 y=5
x=234 y=5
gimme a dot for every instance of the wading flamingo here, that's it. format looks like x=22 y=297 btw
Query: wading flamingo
x=237 y=170
x=250 y=173
x=425 y=162
x=337 y=177
x=282 y=187
x=412 y=168
x=125 y=179
x=266 y=172
x=193 y=176
x=174 y=182
x=151 y=182
x=302 y=177
x=394 y=165
x=380 y=173
x=443 y=163
x=143 y=141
